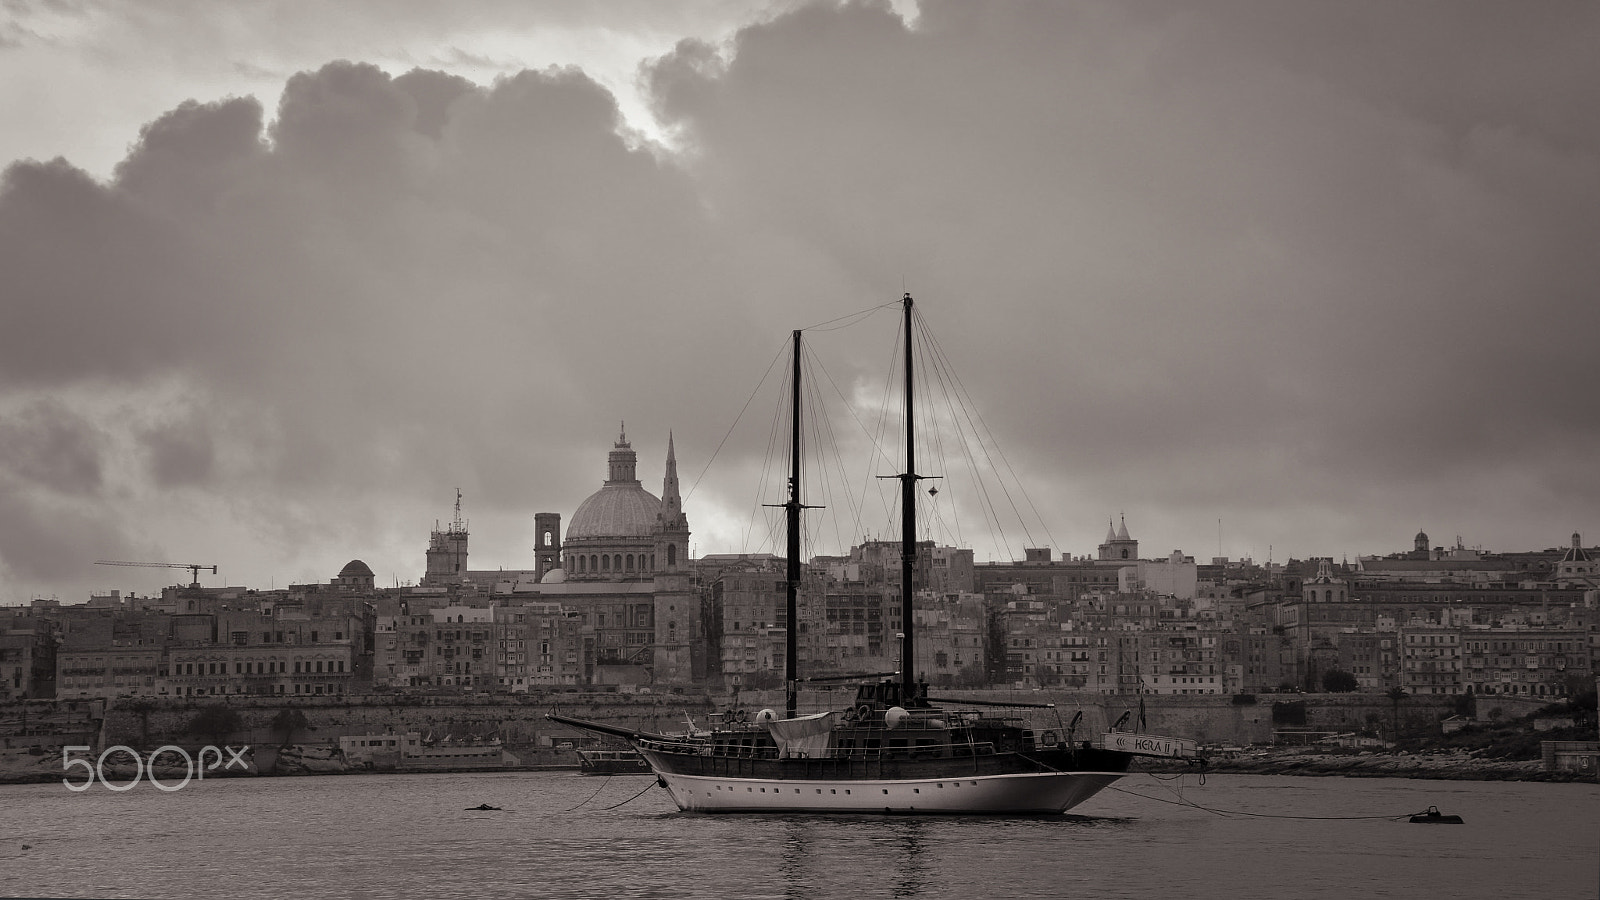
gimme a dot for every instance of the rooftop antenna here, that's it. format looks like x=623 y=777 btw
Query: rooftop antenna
x=458 y=526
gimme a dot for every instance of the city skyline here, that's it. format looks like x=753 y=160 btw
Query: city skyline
x=1268 y=280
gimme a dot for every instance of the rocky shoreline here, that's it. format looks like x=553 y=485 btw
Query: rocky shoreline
x=1442 y=765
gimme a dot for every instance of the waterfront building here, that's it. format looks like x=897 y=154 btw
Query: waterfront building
x=28 y=651
x=1170 y=660
x=1430 y=659
x=1526 y=661
x=1076 y=659
x=952 y=635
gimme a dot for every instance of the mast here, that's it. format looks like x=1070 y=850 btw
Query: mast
x=791 y=673
x=908 y=530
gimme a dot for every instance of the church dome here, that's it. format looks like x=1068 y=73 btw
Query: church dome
x=355 y=568
x=618 y=510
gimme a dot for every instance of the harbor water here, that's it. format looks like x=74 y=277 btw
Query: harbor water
x=562 y=835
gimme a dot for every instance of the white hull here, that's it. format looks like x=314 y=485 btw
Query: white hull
x=1032 y=793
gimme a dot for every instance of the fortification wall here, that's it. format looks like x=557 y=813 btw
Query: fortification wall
x=518 y=723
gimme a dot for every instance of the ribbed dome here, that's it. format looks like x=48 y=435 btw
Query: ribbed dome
x=355 y=568
x=618 y=510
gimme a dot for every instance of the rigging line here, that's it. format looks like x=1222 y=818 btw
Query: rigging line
x=855 y=317
x=777 y=356
x=631 y=799
x=764 y=481
x=875 y=442
x=963 y=421
x=1236 y=812
x=955 y=508
x=930 y=421
x=941 y=376
x=603 y=782
x=967 y=404
x=980 y=485
x=936 y=403
x=830 y=450
x=826 y=442
x=813 y=478
x=870 y=484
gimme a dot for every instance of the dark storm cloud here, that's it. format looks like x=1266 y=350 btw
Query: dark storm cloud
x=49 y=445
x=52 y=487
x=180 y=453
x=45 y=543
x=1247 y=250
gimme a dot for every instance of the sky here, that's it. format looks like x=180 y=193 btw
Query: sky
x=1260 y=279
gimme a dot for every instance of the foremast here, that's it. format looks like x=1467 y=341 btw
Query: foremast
x=792 y=507
x=791 y=665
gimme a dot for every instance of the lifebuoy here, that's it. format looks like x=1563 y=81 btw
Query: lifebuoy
x=863 y=712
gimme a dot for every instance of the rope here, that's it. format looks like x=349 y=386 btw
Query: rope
x=603 y=782
x=633 y=798
x=1235 y=812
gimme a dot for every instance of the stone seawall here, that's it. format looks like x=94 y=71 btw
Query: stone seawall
x=1454 y=765
x=517 y=723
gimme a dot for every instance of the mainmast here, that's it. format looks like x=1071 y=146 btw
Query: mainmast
x=791 y=672
x=908 y=530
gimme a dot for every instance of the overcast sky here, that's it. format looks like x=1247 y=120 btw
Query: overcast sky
x=1264 y=277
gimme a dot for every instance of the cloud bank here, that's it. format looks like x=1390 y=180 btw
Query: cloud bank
x=1321 y=273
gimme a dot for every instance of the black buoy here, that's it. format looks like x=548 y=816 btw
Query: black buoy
x=1434 y=817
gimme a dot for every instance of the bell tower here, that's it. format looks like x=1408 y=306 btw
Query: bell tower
x=546 y=542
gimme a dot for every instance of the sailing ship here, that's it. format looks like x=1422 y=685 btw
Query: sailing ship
x=612 y=762
x=896 y=749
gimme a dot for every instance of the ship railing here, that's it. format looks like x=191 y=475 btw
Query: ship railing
x=673 y=746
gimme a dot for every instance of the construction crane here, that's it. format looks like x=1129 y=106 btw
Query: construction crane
x=194 y=568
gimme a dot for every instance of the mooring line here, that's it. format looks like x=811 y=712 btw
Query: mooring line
x=1183 y=801
x=633 y=798
x=603 y=782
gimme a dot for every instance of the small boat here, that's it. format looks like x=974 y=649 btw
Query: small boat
x=483 y=807
x=612 y=762
x=1434 y=817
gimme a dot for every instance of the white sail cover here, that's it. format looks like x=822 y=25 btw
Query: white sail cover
x=803 y=735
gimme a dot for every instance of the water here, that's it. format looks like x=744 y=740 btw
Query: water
x=385 y=836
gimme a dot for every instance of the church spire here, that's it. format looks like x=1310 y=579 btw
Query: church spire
x=671 y=499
